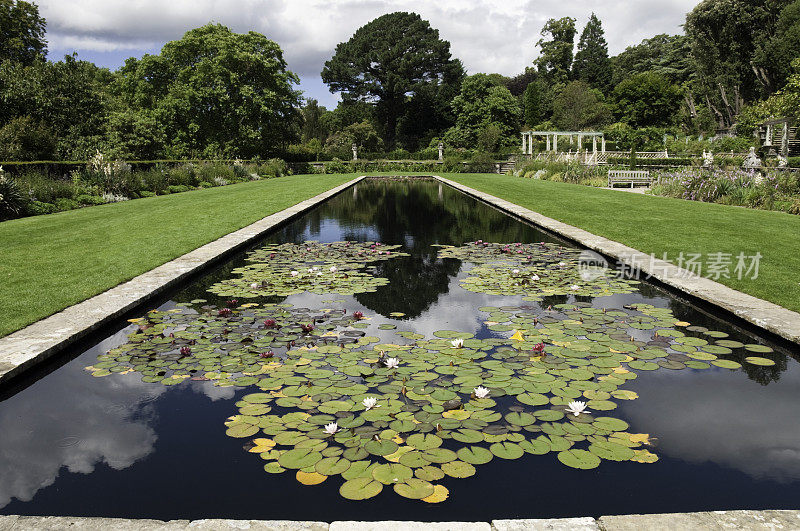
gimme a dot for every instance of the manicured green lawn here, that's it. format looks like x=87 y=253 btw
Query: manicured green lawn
x=48 y=263
x=662 y=225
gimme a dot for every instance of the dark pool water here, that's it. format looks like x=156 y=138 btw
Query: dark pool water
x=71 y=444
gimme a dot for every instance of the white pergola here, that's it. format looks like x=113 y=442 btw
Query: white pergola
x=528 y=136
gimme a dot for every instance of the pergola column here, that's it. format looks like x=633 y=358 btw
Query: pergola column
x=580 y=142
x=603 y=139
x=524 y=147
x=594 y=144
x=555 y=141
x=548 y=142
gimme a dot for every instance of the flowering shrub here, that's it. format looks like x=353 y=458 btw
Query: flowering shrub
x=731 y=187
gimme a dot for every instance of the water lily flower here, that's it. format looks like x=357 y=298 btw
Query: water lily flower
x=358 y=315
x=185 y=351
x=515 y=271
x=392 y=363
x=574 y=287
x=331 y=428
x=481 y=392
x=254 y=285
x=266 y=354
x=576 y=407
x=333 y=269
x=561 y=264
x=535 y=277
x=457 y=343
x=538 y=348
x=370 y=402
x=307 y=329
x=294 y=273
x=310 y=270
x=225 y=312
x=232 y=303
x=270 y=323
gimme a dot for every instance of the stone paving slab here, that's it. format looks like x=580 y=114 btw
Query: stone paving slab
x=41 y=340
x=717 y=520
x=555 y=524
x=769 y=316
x=410 y=526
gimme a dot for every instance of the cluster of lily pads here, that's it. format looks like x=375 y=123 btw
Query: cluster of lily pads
x=329 y=400
x=288 y=269
x=535 y=270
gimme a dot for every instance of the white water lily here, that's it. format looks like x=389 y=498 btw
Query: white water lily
x=562 y=264
x=333 y=269
x=576 y=408
x=481 y=392
x=370 y=402
x=392 y=363
x=515 y=271
x=294 y=273
x=254 y=285
x=535 y=278
x=331 y=428
x=310 y=270
x=457 y=343
x=574 y=287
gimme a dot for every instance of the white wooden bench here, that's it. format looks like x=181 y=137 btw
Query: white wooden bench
x=631 y=177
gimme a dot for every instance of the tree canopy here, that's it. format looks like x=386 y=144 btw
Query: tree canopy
x=388 y=60
x=483 y=103
x=214 y=92
x=592 y=64
x=558 y=40
x=22 y=32
x=647 y=99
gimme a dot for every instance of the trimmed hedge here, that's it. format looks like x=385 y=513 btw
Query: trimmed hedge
x=626 y=161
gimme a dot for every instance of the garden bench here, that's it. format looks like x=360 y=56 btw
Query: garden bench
x=631 y=177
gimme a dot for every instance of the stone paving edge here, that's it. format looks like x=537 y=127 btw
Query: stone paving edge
x=25 y=348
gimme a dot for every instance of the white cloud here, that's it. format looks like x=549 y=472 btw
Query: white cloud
x=487 y=36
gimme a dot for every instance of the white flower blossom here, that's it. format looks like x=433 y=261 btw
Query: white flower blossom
x=481 y=392
x=331 y=428
x=576 y=408
x=392 y=363
x=370 y=402
x=457 y=343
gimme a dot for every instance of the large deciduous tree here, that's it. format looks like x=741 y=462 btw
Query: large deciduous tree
x=724 y=36
x=579 y=107
x=668 y=55
x=22 y=32
x=215 y=92
x=555 y=59
x=647 y=99
x=592 y=64
x=387 y=61
x=481 y=104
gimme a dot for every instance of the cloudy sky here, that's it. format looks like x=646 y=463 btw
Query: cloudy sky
x=487 y=35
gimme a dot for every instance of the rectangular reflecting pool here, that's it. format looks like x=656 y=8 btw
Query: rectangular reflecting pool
x=405 y=352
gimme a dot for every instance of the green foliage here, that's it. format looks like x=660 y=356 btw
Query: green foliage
x=774 y=57
x=23 y=139
x=388 y=59
x=65 y=96
x=580 y=107
x=592 y=64
x=361 y=134
x=480 y=104
x=668 y=55
x=724 y=36
x=558 y=40
x=532 y=101
x=12 y=201
x=313 y=124
x=214 y=92
x=22 y=32
x=647 y=99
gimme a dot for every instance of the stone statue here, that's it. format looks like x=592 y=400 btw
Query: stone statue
x=355 y=152
x=752 y=161
x=782 y=161
x=441 y=150
x=708 y=159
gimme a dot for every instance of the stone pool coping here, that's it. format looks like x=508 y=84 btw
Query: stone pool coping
x=43 y=339
x=763 y=314
x=716 y=520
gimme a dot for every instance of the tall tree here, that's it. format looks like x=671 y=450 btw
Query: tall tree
x=773 y=58
x=579 y=107
x=647 y=99
x=532 y=101
x=215 y=92
x=483 y=103
x=592 y=64
x=668 y=55
x=724 y=36
x=387 y=61
x=558 y=40
x=313 y=126
x=22 y=32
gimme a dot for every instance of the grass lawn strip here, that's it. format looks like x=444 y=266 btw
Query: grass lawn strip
x=659 y=225
x=48 y=263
